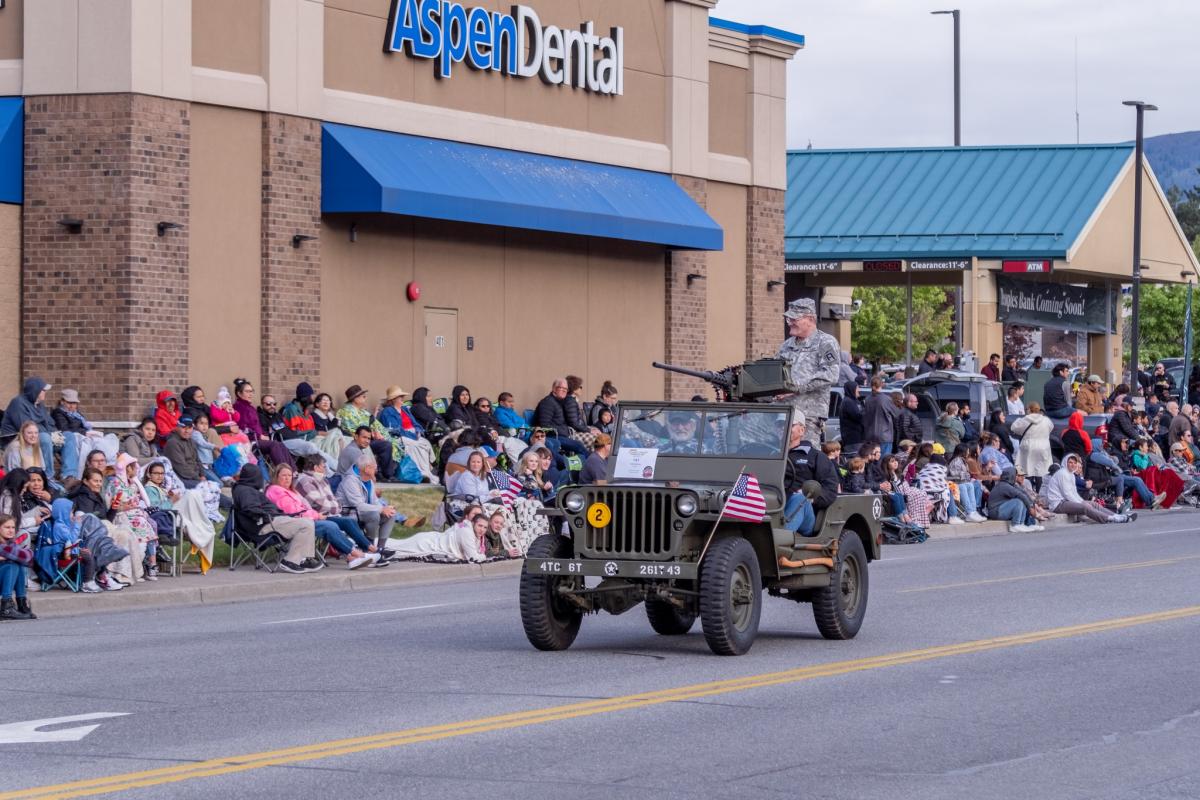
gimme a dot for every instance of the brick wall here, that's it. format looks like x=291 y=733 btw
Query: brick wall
x=764 y=262
x=687 y=310
x=106 y=310
x=291 y=276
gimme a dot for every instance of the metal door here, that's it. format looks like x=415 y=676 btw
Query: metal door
x=441 y=350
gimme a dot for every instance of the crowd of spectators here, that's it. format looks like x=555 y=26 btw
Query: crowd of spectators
x=307 y=469
x=1137 y=458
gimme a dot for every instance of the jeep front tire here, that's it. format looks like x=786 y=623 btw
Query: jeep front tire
x=551 y=622
x=730 y=596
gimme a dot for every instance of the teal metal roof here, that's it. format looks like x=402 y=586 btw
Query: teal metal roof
x=988 y=202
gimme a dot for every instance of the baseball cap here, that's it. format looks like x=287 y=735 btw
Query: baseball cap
x=1094 y=379
x=70 y=396
x=186 y=422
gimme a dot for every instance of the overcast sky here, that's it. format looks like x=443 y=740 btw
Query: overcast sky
x=879 y=72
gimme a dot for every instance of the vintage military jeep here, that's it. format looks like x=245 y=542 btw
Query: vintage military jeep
x=659 y=531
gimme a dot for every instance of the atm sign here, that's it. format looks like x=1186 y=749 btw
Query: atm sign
x=1043 y=265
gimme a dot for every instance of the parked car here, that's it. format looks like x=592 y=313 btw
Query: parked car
x=935 y=389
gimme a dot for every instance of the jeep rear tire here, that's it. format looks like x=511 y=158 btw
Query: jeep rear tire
x=840 y=608
x=668 y=620
x=551 y=622
x=730 y=596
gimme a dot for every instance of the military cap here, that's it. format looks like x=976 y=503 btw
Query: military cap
x=800 y=308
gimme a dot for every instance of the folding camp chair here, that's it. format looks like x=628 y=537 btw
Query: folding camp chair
x=265 y=548
x=68 y=571
x=178 y=551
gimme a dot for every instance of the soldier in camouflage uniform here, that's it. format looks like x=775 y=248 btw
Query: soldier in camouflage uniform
x=813 y=356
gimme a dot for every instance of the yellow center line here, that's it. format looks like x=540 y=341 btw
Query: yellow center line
x=1161 y=562
x=339 y=747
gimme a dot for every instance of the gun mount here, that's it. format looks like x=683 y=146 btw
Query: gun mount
x=753 y=380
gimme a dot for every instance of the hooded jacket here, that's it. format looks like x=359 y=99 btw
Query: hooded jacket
x=63 y=532
x=164 y=417
x=457 y=411
x=1075 y=439
x=190 y=407
x=26 y=407
x=879 y=418
x=423 y=412
x=1060 y=487
x=850 y=415
x=1006 y=489
x=252 y=506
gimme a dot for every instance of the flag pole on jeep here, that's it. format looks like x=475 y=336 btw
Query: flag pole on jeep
x=724 y=506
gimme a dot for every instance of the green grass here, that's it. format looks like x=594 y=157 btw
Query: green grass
x=410 y=502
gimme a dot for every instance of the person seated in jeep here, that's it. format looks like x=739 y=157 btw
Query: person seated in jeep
x=681 y=434
x=810 y=480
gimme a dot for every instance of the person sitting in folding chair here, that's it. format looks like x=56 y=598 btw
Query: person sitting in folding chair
x=255 y=512
x=342 y=533
x=66 y=531
x=357 y=493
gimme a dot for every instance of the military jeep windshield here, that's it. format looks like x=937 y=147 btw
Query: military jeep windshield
x=715 y=433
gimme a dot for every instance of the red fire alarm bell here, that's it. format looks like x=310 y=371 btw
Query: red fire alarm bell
x=413 y=290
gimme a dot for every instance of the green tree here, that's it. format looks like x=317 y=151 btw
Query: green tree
x=1160 y=319
x=1186 y=205
x=878 y=329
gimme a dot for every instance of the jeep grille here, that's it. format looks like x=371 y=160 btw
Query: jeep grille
x=640 y=526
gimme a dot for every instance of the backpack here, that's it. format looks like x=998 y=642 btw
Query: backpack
x=896 y=532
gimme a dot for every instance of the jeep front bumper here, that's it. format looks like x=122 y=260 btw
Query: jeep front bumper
x=597 y=568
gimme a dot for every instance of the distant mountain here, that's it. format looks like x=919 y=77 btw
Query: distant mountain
x=1175 y=157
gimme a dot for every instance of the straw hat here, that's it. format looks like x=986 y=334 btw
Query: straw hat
x=392 y=393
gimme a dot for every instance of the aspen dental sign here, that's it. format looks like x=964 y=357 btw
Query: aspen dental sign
x=514 y=44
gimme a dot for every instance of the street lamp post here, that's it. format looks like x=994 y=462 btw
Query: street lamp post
x=957 y=82
x=958 y=292
x=1142 y=107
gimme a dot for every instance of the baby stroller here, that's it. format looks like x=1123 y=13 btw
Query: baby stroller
x=452 y=509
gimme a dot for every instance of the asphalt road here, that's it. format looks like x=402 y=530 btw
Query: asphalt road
x=1049 y=666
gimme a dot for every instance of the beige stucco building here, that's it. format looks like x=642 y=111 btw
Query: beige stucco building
x=1034 y=235
x=175 y=222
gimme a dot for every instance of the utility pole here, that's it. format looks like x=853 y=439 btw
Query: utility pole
x=957 y=78
x=1142 y=107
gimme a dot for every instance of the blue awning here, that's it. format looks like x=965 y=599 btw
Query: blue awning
x=370 y=171
x=12 y=149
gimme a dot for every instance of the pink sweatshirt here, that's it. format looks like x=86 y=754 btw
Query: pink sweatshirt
x=291 y=502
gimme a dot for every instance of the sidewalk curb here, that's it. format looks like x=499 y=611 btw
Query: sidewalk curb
x=330 y=580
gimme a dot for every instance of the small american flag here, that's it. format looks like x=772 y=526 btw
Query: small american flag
x=509 y=489
x=746 y=501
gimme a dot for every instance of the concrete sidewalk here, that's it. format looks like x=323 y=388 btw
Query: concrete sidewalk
x=221 y=585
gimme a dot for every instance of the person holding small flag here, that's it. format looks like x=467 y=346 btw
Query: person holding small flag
x=810 y=480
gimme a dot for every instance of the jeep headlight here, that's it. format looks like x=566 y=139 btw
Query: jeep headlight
x=685 y=504
x=573 y=502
